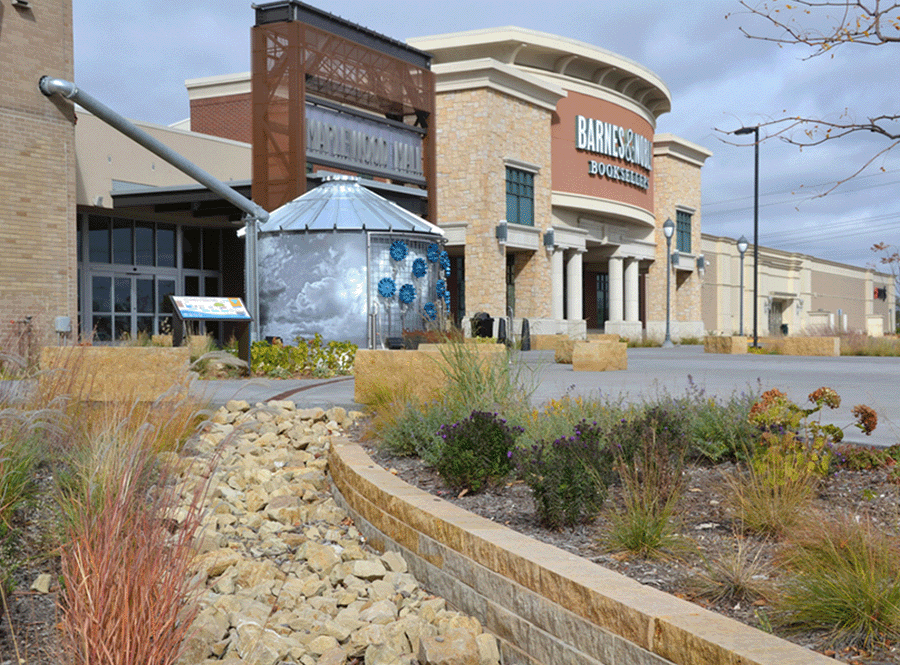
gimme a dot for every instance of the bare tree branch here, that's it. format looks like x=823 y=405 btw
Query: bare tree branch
x=870 y=23
x=824 y=25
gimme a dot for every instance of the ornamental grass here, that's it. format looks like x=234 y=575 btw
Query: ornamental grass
x=845 y=582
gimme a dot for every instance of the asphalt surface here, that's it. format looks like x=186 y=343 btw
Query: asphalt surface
x=651 y=372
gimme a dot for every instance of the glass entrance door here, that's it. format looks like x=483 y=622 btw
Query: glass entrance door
x=127 y=305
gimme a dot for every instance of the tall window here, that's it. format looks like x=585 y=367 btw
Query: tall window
x=519 y=197
x=683 y=231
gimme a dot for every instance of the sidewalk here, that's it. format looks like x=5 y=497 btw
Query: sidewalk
x=874 y=382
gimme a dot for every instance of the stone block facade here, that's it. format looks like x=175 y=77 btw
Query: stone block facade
x=676 y=164
x=479 y=132
x=37 y=175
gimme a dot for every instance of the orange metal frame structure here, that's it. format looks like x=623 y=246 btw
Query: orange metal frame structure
x=291 y=59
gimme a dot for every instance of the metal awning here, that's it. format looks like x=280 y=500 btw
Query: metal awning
x=342 y=204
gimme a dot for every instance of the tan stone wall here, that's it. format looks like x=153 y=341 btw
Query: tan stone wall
x=677 y=184
x=806 y=346
x=599 y=356
x=381 y=373
x=476 y=131
x=545 y=605
x=118 y=372
x=37 y=171
x=725 y=344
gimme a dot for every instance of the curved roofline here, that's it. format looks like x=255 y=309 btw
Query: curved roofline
x=562 y=56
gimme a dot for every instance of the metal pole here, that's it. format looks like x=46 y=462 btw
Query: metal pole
x=742 y=295
x=756 y=238
x=668 y=342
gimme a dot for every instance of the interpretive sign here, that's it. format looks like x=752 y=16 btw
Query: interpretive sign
x=222 y=308
x=226 y=309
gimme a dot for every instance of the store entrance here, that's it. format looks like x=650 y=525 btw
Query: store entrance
x=596 y=299
x=125 y=305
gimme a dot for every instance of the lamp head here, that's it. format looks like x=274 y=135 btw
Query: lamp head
x=746 y=130
x=669 y=228
x=742 y=245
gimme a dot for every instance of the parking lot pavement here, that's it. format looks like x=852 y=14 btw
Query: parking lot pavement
x=652 y=372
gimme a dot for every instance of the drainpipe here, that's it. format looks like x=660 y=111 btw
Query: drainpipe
x=253 y=213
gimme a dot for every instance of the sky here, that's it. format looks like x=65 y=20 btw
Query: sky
x=135 y=57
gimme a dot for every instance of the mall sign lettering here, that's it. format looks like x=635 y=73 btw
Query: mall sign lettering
x=605 y=138
x=348 y=141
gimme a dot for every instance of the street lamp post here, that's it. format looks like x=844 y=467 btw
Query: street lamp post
x=742 y=247
x=755 y=132
x=668 y=230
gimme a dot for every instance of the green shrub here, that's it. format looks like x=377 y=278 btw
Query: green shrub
x=568 y=478
x=476 y=451
x=311 y=356
x=846 y=582
x=718 y=429
x=650 y=465
x=413 y=430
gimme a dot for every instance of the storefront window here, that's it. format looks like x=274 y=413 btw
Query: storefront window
x=683 y=231
x=519 y=197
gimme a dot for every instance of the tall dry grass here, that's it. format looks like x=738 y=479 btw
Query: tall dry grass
x=127 y=596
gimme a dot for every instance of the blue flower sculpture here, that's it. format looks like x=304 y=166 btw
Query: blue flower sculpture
x=399 y=250
x=420 y=268
x=386 y=287
x=445 y=263
x=433 y=252
x=446 y=300
x=430 y=311
x=441 y=288
x=407 y=293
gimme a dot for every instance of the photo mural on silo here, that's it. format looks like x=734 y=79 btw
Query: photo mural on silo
x=409 y=285
x=313 y=283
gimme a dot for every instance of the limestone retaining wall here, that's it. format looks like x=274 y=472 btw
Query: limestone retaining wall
x=381 y=372
x=546 y=605
x=103 y=373
x=735 y=344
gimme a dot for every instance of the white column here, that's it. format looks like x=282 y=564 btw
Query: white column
x=631 y=289
x=575 y=281
x=616 y=293
x=556 y=283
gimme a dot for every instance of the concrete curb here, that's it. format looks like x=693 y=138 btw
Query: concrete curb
x=546 y=605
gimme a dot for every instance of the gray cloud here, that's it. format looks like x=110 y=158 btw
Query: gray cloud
x=136 y=56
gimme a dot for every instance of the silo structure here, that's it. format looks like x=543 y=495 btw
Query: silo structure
x=347 y=263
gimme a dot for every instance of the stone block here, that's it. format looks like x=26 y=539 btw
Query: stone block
x=419 y=374
x=548 y=342
x=564 y=352
x=113 y=373
x=811 y=346
x=599 y=356
x=735 y=344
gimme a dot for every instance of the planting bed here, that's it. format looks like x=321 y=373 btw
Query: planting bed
x=707 y=528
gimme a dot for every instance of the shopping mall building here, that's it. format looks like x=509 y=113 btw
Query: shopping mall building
x=535 y=155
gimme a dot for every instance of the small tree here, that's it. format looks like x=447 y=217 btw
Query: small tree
x=822 y=26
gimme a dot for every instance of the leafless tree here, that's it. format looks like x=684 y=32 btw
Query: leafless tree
x=823 y=26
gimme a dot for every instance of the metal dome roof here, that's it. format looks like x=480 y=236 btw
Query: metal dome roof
x=342 y=204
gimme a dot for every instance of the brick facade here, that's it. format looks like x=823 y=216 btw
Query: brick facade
x=478 y=130
x=37 y=173
x=228 y=116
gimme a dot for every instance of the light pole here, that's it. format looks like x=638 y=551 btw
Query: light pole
x=755 y=132
x=742 y=247
x=668 y=230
